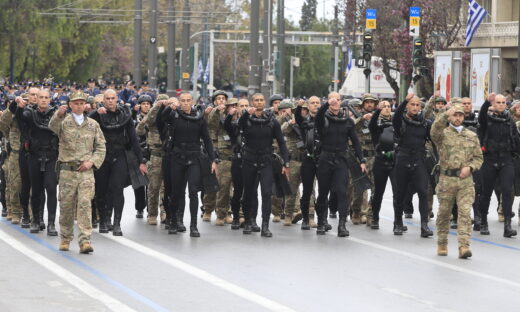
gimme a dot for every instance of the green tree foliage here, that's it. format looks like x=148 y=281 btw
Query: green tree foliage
x=308 y=14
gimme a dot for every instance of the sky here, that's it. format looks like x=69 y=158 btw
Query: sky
x=293 y=9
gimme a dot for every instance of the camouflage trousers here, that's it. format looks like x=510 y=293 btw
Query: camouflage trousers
x=359 y=201
x=451 y=190
x=155 y=190
x=76 y=194
x=220 y=202
x=14 y=184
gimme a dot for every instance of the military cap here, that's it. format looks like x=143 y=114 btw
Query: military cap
x=119 y=87
x=25 y=96
x=458 y=109
x=90 y=99
x=78 y=95
x=456 y=100
x=232 y=101
x=286 y=104
x=145 y=83
x=440 y=99
x=91 y=80
x=162 y=97
x=145 y=98
x=305 y=105
x=57 y=86
x=275 y=97
x=217 y=93
x=355 y=102
x=369 y=97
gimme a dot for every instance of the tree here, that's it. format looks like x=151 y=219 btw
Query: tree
x=308 y=14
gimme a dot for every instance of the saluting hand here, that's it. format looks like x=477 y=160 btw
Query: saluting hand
x=491 y=98
x=21 y=102
x=251 y=110
x=62 y=110
x=102 y=110
x=409 y=96
x=232 y=111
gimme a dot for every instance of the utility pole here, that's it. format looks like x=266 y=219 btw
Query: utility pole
x=152 y=53
x=518 y=64
x=185 y=59
x=266 y=90
x=170 y=89
x=335 y=48
x=280 y=42
x=138 y=23
x=205 y=57
x=254 y=66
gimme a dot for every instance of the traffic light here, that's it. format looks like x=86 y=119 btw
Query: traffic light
x=418 y=53
x=367 y=46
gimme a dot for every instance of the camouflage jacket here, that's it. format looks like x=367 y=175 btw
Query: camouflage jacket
x=9 y=127
x=293 y=139
x=79 y=143
x=365 y=138
x=456 y=150
x=148 y=127
x=219 y=136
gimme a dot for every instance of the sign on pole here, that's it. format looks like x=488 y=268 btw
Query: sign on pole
x=371 y=16
x=415 y=21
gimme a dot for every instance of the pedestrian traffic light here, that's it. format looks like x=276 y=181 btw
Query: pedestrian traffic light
x=367 y=46
x=418 y=53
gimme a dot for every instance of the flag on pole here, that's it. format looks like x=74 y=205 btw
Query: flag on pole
x=201 y=70
x=349 y=62
x=206 y=73
x=476 y=14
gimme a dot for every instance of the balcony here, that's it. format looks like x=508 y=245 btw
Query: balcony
x=495 y=35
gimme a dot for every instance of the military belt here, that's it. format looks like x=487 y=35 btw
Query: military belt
x=451 y=172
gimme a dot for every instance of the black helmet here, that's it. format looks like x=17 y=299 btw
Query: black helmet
x=145 y=98
x=217 y=93
x=275 y=97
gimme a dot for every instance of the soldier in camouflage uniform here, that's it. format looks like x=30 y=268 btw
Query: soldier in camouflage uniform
x=209 y=201
x=148 y=127
x=277 y=203
x=9 y=127
x=223 y=144
x=81 y=148
x=361 y=208
x=460 y=155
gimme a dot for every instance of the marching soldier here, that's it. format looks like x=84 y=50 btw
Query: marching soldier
x=460 y=155
x=81 y=148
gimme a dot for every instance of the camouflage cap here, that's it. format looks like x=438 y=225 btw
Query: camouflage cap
x=369 y=97
x=458 y=109
x=305 y=105
x=25 y=96
x=440 y=99
x=232 y=101
x=286 y=104
x=456 y=100
x=90 y=100
x=354 y=102
x=77 y=95
x=162 y=97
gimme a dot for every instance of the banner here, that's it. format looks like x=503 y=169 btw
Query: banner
x=479 y=76
x=444 y=74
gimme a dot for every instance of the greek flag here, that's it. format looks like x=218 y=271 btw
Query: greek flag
x=476 y=14
x=206 y=73
x=349 y=62
x=201 y=71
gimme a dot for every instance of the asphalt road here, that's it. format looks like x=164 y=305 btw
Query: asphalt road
x=224 y=270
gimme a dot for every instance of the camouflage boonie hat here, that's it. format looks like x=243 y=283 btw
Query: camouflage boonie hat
x=232 y=101
x=456 y=100
x=286 y=104
x=77 y=95
x=458 y=109
x=305 y=105
x=369 y=97
x=354 y=102
x=162 y=97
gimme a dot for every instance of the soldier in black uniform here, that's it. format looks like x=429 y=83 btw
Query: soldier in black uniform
x=335 y=128
x=43 y=153
x=114 y=174
x=188 y=127
x=258 y=129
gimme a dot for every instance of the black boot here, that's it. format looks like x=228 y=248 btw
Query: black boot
x=327 y=226
x=51 y=230
x=342 y=228
x=35 y=227
x=320 y=230
x=26 y=220
x=425 y=230
x=180 y=222
x=305 y=224
x=139 y=214
x=116 y=230
x=235 y=225
x=248 y=228
x=375 y=224
x=265 y=229
x=42 y=223
x=4 y=211
x=194 y=232
x=254 y=226
x=508 y=231
x=398 y=226
x=484 y=230
x=103 y=222
x=476 y=223
x=173 y=225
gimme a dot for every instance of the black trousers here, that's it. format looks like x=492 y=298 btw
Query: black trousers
x=503 y=170
x=43 y=181
x=308 y=173
x=383 y=170
x=140 y=198
x=410 y=171
x=26 y=181
x=238 y=186
x=182 y=174
x=254 y=173
x=111 y=179
x=332 y=175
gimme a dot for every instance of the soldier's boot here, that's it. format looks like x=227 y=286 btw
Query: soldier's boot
x=173 y=224
x=206 y=217
x=508 y=231
x=312 y=223
x=163 y=217
x=288 y=220
x=35 y=225
x=374 y=225
x=180 y=221
x=228 y=220
x=297 y=217
x=26 y=221
x=464 y=252
x=220 y=221
x=363 y=219
x=4 y=211
x=64 y=245
x=328 y=227
x=265 y=229
x=320 y=230
x=425 y=230
x=103 y=222
x=356 y=218
x=342 y=228
x=276 y=219
x=442 y=250
x=116 y=230
x=305 y=224
x=484 y=230
x=476 y=223
x=15 y=219
x=51 y=228
x=42 y=223
x=248 y=227
x=398 y=226
x=369 y=221
x=139 y=214
x=453 y=224
x=9 y=216
x=235 y=224
x=152 y=220
x=500 y=214
x=254 y=225
x=86 y=247
x=194 y=232
x=333 y=215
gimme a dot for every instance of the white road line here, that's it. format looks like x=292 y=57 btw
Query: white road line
x=112 y=303
x=203 y=275
x=427 y=303
x=436 y=262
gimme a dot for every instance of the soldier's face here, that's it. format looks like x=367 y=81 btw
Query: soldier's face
x=466 y=104
x=440 y=105
x=220 y=100
x=259 y=102
x=44 y=99
x=369 y=105
x=456 y=119
x=386 y=109
x=414 y=106
x=313 y=105
x=33 y=95
x=500 y=104
x=186 y=101
x=77 y=107
x=243 y=104
x=91 y=85
x=110 y=100
x=275 y=105
x=145 y=107
x=88 y=107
